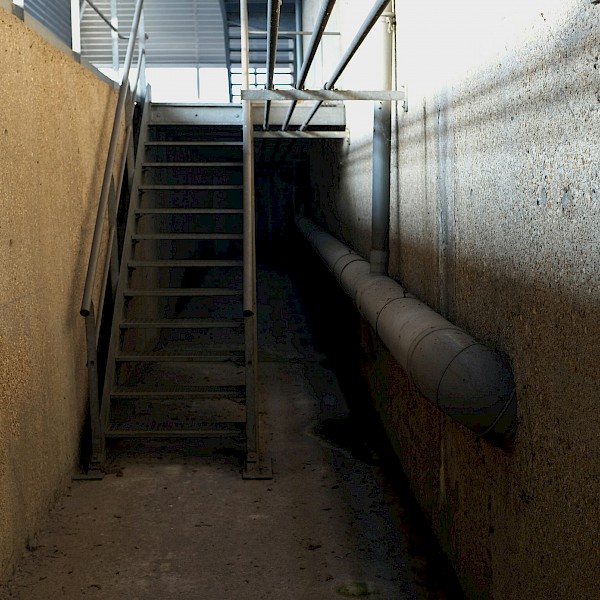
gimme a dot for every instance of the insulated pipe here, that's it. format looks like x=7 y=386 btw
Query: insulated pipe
x=462 y=377
x=315 y=40
x=382 y=145
x=359 y=38
x=273 y=16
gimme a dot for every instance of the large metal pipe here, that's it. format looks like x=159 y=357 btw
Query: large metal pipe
x=382 y=144
x=273 y=16
x=462 y=377
x=359 y=38
x=315 y=40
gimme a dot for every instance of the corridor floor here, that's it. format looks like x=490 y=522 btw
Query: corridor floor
x=179 y=522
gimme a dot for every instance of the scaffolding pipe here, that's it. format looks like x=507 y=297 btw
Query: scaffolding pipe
x=465 y=379
x=315 y=40
x=359 y=38
x=273 y=16
x=382 y=146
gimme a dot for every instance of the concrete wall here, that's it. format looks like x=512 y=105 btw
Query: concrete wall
x=53 y=142
x=495 y=223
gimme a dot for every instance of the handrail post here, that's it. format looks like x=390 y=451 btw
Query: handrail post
x=255 y=468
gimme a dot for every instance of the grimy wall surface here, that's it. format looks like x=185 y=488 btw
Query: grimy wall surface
x=495 y=223
x=53 y=143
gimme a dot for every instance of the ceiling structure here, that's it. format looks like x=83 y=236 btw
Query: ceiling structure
x=199 y=33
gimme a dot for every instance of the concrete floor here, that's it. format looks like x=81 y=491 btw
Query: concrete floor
x=179 y=522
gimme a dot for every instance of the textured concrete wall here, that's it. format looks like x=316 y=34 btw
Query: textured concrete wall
x=495 y=223
x=53 y=141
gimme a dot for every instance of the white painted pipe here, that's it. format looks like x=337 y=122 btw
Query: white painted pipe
x=464 y=378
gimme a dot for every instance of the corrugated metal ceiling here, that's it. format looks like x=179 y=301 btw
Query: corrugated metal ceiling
x=180 y=32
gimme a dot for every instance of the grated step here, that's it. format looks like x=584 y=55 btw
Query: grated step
x=133 y=264
x=187 y=236
x=221 y=356
x=162 y=292
x=219 y=392
x=156 y=187
x=203 y=143
x=181 y=324
x=155 y=165
x=189 y=211
x=201 y=429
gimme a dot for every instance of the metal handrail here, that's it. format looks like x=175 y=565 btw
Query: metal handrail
x=376 y=12
x=110 y=160
x=105 y=19
x=315 y=40
x=273 y=16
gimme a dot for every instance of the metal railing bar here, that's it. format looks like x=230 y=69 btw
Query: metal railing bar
x=376 y=12
x=110 y=159
x=227 y=46
x=104 y=18
x=273 y=15
x=315 y=40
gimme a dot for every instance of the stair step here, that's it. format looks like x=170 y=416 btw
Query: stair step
x=191 y=164
x=187 y=236
x=144 y=188
x=208 y=393
x=203 y=143
x=189 y=211
x=133 y=264
x=221 y=356
x=162 y=292
x=177 y=429
x=181 y=324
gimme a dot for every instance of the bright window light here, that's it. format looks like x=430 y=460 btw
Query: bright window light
x=173 y=84
x=213 y=85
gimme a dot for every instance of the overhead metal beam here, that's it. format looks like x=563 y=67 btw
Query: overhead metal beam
x=322 y=95
x=359 y=38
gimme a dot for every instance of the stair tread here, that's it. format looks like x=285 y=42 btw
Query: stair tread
x=181 y=323
x=199 y=143
x=187 y=236
x=184 y=292
x=190 y=187
x=177 y=429
x=193 y=164
x=216 y=356
x=185 y=263
x=208 y=392
x=192 y=211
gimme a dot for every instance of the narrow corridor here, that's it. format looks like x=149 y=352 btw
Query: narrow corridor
x=177 y=521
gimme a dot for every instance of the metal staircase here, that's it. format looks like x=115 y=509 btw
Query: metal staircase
x=177 y=362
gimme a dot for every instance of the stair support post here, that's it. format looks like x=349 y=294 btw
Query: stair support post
x=257 y=467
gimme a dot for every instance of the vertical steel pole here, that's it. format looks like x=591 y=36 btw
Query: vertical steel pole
x=250 y=326
x=98 y=447
x=382 y=145
x=273 y=16
x=75 y=27
x=114 y=21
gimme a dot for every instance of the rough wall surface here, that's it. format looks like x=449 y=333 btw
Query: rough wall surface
x=495 y=223
x=53 y=141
